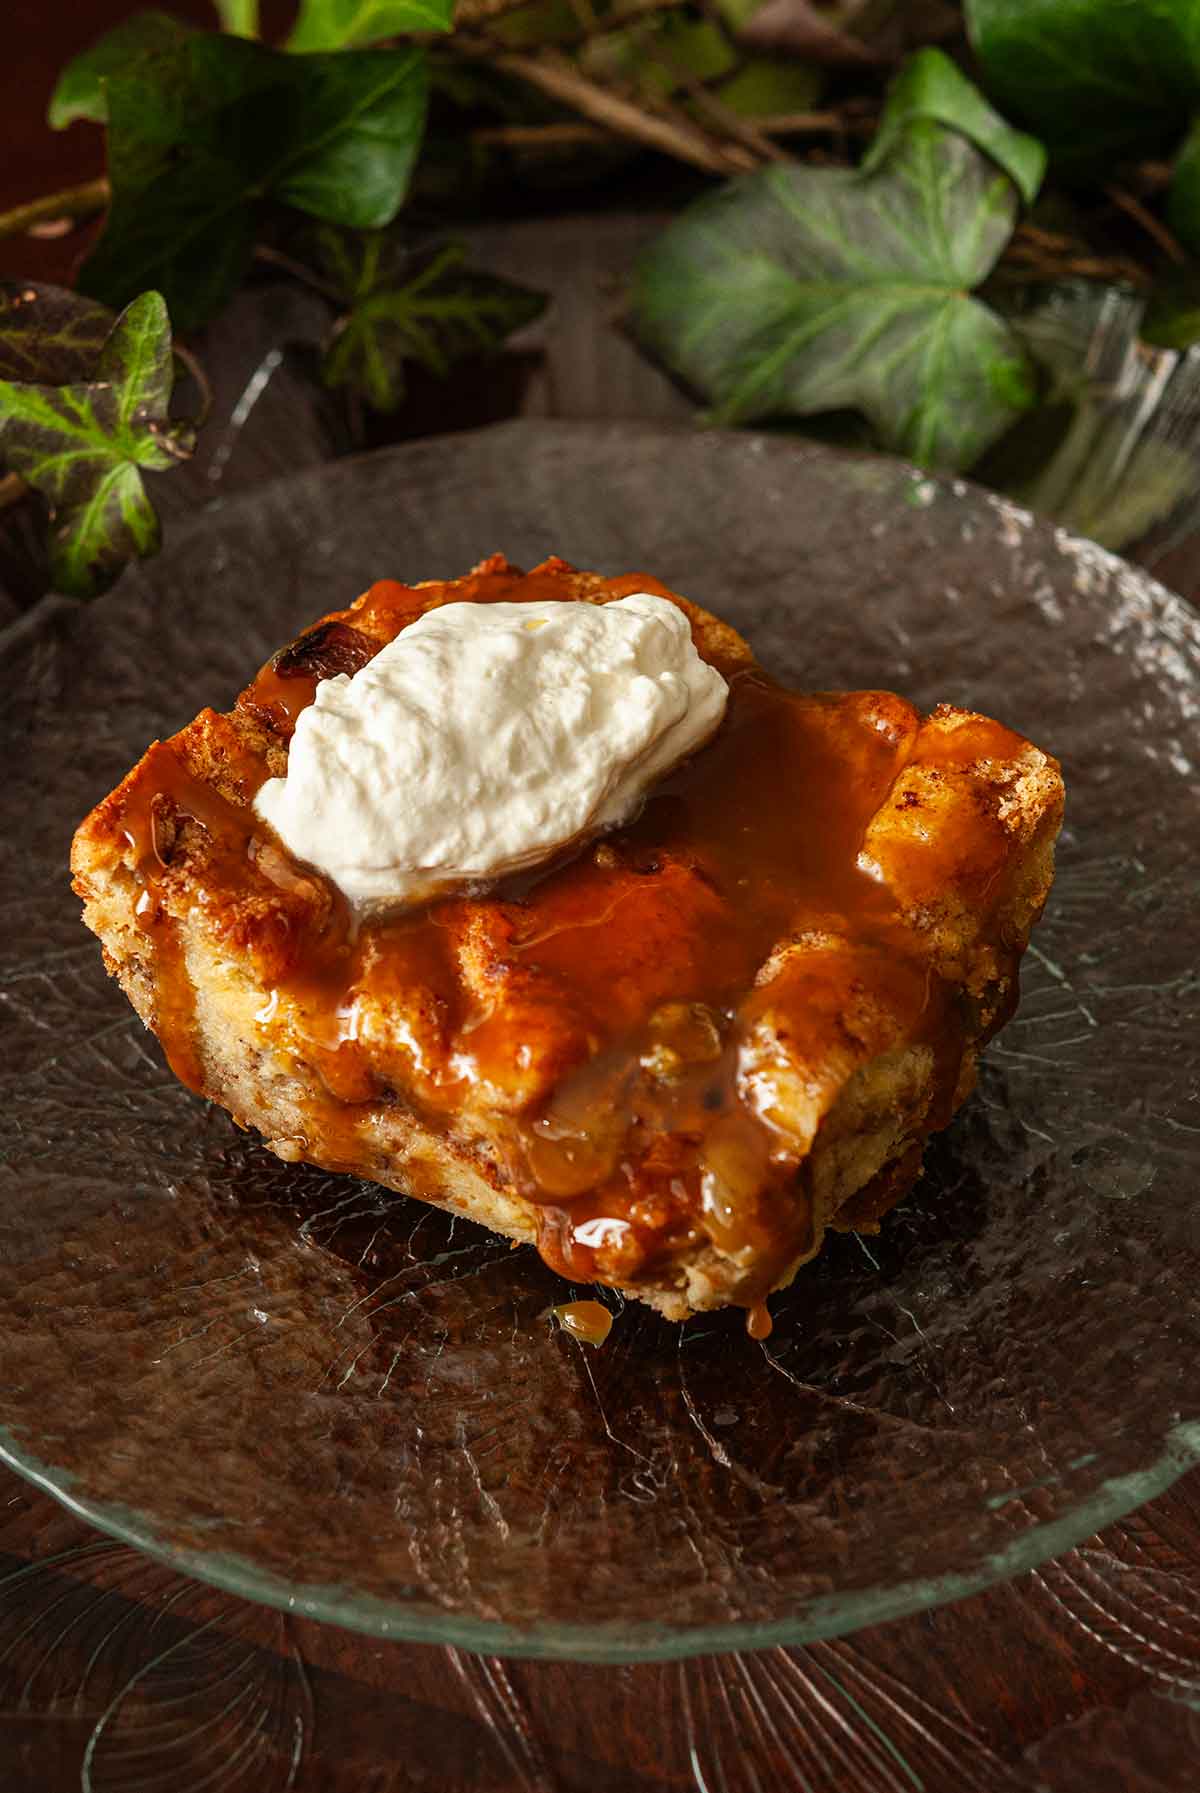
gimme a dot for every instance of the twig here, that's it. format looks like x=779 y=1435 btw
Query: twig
x=552 y=74
x=568 y=132
x=196 y=369
x=617 y=21
x=1045 y=255
x=12 y=489
x=805 y=124
x=72 y=202
x=478 y=12
x=1153 y=227
x=275 y=258
x=1154 y=176
x=1044 y=239
x=721 y=117
x=540 y=136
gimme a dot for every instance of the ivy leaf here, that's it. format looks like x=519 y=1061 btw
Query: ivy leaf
x=239 y=17
x=1183 y=199
x=82 y=445
x=49 y=336
x=665 y=55
x=339 y=24
x=433 y=310
x=1098 y=80
x=80 y=91
x=215 y=124
x=766 y=85
x=797 y=290
x=931 y=86
x=1172 y=316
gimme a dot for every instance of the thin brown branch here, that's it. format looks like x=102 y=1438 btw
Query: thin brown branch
x=669 y=132
x=1036 y=254
x=1044 y=239
x=204 y=385
x=617 y=21
x=1154 y=228
x=275 y=258
x=552 y=136
x=12 y=489
x=568 y=133
x=478 y=12
x=810 y=124
x=72 y=202
x=720 y=117
x=1154 y=176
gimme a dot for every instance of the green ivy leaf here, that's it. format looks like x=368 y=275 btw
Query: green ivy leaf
x=340 y=24
x=931 y=86
x=82 y=445
x=770 y=85
x=81 y=89
x=239 y=17
x=1183 y=199
x=797 y=290
x=1172 y=316
x=49 y=336
x=216 y=124
x=1098 y=80
x=433 y=311
x=658 y=56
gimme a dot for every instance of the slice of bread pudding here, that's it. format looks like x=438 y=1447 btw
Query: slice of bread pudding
x=671 y=1058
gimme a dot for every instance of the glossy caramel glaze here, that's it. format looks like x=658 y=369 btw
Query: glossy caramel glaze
x=581 y=1029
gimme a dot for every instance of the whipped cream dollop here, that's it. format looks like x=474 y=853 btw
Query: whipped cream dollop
x=487 y=737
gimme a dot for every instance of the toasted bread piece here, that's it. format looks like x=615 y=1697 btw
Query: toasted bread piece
x=671 y=1061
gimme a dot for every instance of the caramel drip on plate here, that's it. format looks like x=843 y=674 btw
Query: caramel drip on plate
x=588 y=1321
x=758 y=1321
x=599 y=1004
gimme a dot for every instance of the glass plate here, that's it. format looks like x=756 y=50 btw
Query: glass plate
x=330 y=1398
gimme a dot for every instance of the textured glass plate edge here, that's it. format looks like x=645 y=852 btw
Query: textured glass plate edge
x=823 y=1618
x=829 y=1616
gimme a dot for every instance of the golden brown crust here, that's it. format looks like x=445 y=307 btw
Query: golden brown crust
x=830 y=1047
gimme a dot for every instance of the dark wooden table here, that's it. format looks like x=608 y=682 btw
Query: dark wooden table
x=119 y=1676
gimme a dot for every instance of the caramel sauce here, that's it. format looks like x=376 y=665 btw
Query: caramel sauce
x=758 y=1321
x=288 y=682
x=597 y=1004
x=170 y=799
x=588 y=1321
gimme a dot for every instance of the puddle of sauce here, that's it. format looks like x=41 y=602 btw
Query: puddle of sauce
x=623 y=969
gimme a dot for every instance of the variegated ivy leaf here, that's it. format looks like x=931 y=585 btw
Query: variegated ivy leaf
x=50 y=334
x=402 y=307
x=83 y=445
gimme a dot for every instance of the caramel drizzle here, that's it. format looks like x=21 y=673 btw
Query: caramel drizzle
x=170 y=798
